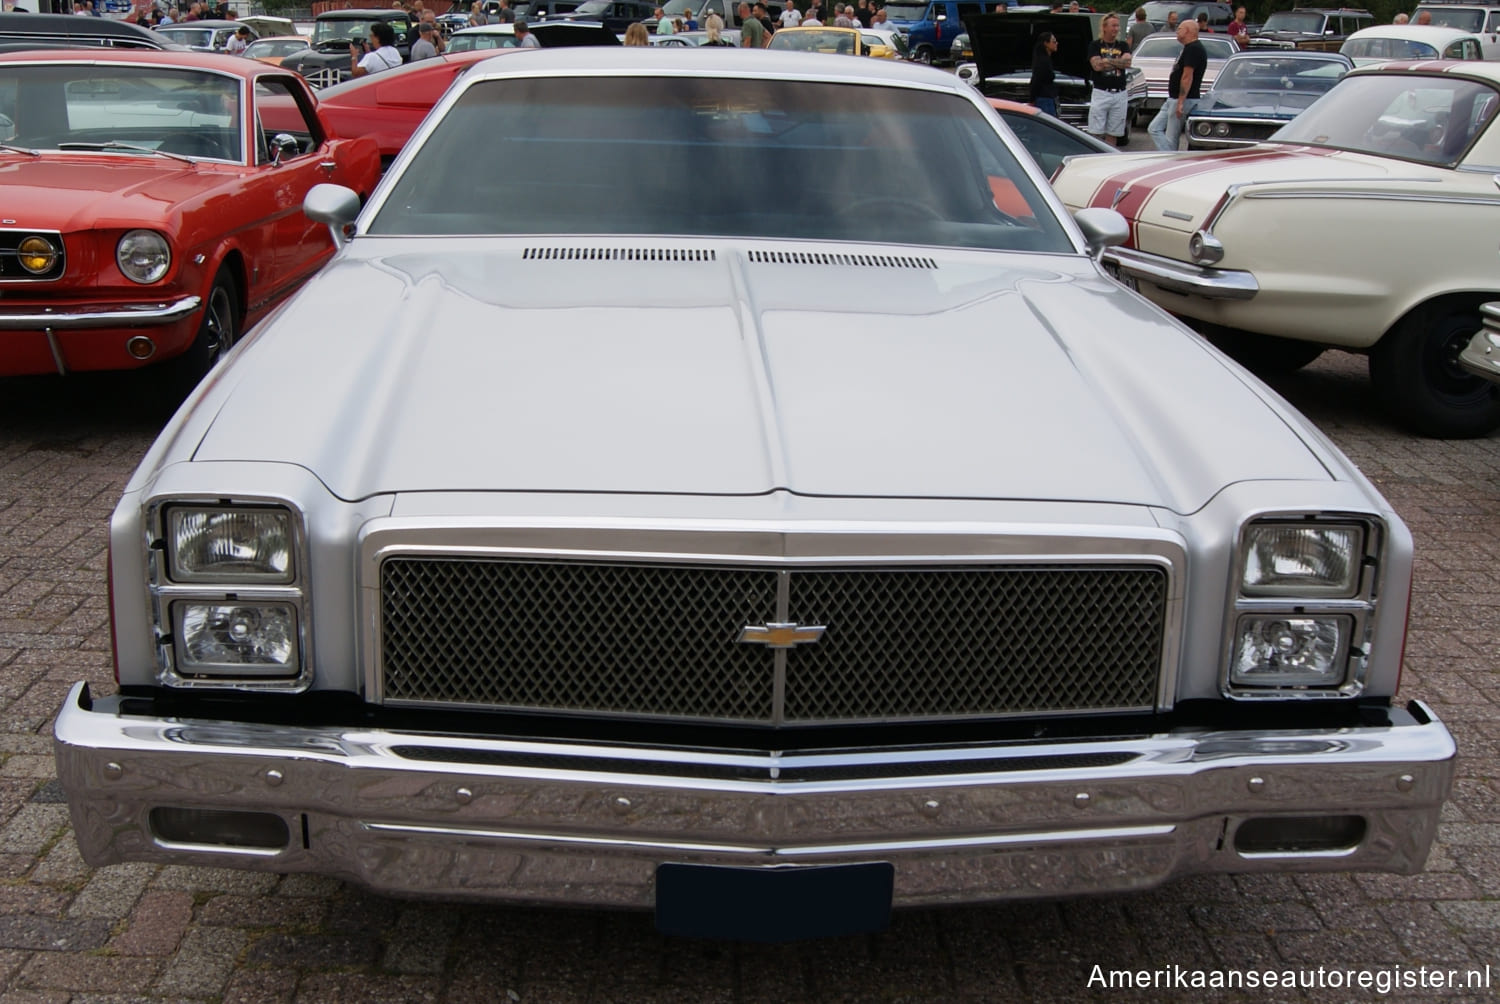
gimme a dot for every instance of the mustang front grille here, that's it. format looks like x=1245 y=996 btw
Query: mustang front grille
x=900 y=643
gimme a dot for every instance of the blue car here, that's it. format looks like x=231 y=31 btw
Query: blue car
x=1259 y=91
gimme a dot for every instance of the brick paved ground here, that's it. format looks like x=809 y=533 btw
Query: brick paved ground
x=138 y=932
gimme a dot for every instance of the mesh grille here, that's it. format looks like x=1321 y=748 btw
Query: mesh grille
x=648 y=640
x=658 y=640
x=906 y=644
x=618 y=254
x=825 y=258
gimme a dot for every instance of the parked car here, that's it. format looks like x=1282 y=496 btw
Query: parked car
x=693 y=39
x=1318 y=28
x=882 y=42
x=1482 y=355
x=276 y=48
x=1257 y=93
x=54 y=30
x=268 y=26
x=151 y=221
x=1409 y=42
x=931 y=25
x=1367 y=223
x=616 y=15
x=644 y=551
x=1049 y=141
x=202 y=36
x=1156 y=56
x=1482 y=19
x=1219 y=14
x=326 y=62
x=1003 y=50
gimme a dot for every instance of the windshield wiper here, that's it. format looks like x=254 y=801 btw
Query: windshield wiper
x=19 y=149
x=129 y=147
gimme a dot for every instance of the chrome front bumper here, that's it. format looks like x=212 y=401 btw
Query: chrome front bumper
x=1482 y=355
x=102 y=317
x=540 y=821
x=1183 y=277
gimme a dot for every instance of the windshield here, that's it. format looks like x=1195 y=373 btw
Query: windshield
x=276 y=47
x=1463 y=20
x=187 y=36
x=905 y=11
x=1297 y=21
x=1388 y=48
x=152 y=109
x=815 y=40
x=341 y=29
x=1279 y=73
x=466 y=41
x=556 y=150
x=1429 y=119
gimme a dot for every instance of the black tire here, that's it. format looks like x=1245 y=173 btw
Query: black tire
x=1265 y=355
x=923 y=54
x=217 y=331
x=1419 y=382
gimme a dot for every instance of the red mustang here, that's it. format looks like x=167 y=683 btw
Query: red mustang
x=152 y=205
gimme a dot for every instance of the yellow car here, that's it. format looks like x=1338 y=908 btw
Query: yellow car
x=842 y=41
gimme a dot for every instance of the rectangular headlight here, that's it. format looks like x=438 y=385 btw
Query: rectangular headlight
x=248 y=545
x=1282 y=650
x=1302 y=559
x=244 y=638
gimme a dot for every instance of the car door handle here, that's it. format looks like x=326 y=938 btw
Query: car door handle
x=328 y=166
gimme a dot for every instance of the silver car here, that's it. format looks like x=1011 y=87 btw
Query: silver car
x=765 y=561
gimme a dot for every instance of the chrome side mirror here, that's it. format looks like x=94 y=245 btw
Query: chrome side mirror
x=283 y=145
x=1102 y=228
x=334 y=205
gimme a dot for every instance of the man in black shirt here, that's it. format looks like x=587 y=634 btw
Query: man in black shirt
x=1183 y=88
x=1109 y=57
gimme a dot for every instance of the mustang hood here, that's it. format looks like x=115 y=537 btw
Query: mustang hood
x=1005 y=43
x=70 y=193
x=966 y=375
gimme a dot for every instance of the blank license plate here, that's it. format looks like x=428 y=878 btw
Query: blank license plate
x=773 y=904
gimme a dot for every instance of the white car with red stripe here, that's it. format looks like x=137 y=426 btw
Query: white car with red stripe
x=1369 y=223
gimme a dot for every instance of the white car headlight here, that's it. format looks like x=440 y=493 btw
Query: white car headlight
x=143 y=256
x=1290 y=559
x=242 y=637
x=250 y=545
x=1277 y=650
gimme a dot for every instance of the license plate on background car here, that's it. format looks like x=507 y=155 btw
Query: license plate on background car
x=773 y=904
x=1128 y=281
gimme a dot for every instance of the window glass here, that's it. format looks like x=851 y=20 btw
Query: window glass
x=1463 y=20
x=278 y=112
x=555 y=150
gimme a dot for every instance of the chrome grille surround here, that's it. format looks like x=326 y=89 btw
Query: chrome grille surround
x=662 y=644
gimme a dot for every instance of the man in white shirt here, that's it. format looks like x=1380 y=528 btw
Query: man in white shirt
x=238 y=42
x=383 y=54
x=791 y=17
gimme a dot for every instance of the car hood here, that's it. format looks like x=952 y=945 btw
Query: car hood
x=960 y=375
x=1257 y=104
x=1178 y=191
x=71 y=193
x=1006 y=43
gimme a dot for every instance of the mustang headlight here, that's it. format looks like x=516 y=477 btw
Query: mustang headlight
x=230 y=545
x=143 y=256
x=1288 y=651
x=238 y=636
x=1289 y=559
x=37 y=255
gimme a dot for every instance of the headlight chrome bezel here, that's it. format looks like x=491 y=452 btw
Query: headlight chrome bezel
x=1349 y=605
x=172 y=593
x=50 y=255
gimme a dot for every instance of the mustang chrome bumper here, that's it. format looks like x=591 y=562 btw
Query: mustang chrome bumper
x=105 y=317
x=1183 y=277
x=541 y=821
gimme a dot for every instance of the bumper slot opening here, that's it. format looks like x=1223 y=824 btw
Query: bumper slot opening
x=254 y=831
x=1294 y=835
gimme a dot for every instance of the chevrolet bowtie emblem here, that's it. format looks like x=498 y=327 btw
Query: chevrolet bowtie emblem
x=782 y=635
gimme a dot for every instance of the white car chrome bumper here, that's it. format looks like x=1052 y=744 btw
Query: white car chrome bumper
x=1183 y=277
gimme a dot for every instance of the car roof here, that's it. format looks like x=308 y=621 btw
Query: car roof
x=1432 y=34
x=705 y=61
x=1311 y=55
x=1477 y=69
x=213 y=61
x=201 y=23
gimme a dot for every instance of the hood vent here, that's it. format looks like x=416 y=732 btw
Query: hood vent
x=618 y=254
x=856 y=260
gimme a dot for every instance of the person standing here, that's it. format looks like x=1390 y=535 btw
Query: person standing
x=1171 y=21
x=863 y=13
x=791 y=16
x=752 y=32
x=1139 y=29
x=382 y=55
x=423 y=48
x=1183 y=88
x=1239 y=31
x=524 y=38
x=1043 y=79
x=1109 y=58
x=238 y=42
